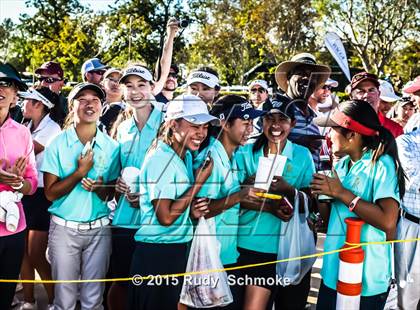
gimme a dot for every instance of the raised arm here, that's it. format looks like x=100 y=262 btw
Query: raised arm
x=166 y=58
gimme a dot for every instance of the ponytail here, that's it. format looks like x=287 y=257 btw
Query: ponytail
x=381 y=144
x=384 y=144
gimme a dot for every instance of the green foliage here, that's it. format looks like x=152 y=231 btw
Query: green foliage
x=373 y=29
x=253 y=31
x=231 y=36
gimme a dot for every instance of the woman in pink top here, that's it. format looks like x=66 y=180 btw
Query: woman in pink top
x=17 y=174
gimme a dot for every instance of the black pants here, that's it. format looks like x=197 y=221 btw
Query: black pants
x=157 y=259
x=327 y=299
x=293 y=297
x=11 y=254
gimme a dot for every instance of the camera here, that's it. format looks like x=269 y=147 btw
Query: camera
x=183 y=22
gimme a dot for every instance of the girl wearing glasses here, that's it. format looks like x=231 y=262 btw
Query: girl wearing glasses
x=77 y=165
x=17 y=175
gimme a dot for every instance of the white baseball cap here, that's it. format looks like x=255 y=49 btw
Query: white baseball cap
x=261 y=83
x=204 y=77
x=387 y=92
x=191 y=108
x=331 y=82
x=111 y=71
x=138 y=71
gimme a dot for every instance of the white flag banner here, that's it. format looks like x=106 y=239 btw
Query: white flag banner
x=336 y=48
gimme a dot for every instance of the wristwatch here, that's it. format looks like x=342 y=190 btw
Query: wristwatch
x=353 y=203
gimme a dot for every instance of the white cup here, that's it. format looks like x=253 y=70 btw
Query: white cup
x=130 y=175
x=325 y=198
x=279 y=164
x=264 y=174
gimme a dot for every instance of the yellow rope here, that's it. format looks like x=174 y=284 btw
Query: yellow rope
x=140 y=278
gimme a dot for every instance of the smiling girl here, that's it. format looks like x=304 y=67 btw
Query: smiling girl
x=368 y=183
x=135 y=136
x=223 y=189
x=260 y=224
x=166 y=190
x=77 y=164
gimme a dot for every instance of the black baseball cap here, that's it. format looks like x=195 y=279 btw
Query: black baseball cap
x=9 y=73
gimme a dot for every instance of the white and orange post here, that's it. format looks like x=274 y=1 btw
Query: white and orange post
x=349 y=284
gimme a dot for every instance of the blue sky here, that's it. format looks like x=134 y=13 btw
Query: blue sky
x=13 y=8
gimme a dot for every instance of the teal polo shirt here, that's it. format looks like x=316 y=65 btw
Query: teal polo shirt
x=222 y=182
x=260 y=231
x=370 y=182
x=164 y=175
x=60 y=159
x=134 y=145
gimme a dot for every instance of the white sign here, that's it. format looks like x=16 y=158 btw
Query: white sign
x=336 y=48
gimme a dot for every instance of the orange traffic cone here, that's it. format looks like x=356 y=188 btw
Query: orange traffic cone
x=349 y=285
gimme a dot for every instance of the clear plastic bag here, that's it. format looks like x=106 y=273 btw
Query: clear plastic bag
x=210 y=289
x=296 y=240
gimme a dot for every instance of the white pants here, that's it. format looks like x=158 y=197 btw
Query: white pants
x=74 y=255
x=407 y=265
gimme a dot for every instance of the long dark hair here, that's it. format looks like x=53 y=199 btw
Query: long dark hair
x=383 y=143
x=54 y=99
x=223 y=105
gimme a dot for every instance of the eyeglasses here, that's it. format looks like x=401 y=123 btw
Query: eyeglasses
x=49 y=80
x=113 y=80
x=6 y=84
x=260 y=90
x=326 y=87
x=173 y=74
x=98 y=72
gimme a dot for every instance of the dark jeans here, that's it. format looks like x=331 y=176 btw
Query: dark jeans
x=11 y=255
x=327 y=299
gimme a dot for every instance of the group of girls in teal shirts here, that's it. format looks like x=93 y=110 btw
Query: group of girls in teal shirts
x=177 y=184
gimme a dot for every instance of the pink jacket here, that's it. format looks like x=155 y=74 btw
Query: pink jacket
x=16 y=141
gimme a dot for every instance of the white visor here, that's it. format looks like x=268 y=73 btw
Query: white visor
x=32 y=94
x=203 y=77
x=138 y=71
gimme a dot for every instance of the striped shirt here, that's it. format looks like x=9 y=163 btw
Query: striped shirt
x=304 y=127
x=409 y=153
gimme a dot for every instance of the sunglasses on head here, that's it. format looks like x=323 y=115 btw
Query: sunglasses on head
x=49 y=80
x=6 y=84
x=260 y=90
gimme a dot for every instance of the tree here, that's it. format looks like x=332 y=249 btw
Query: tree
x=253 y=31
x=374 y=29
x=144 y=22
x=60 y=30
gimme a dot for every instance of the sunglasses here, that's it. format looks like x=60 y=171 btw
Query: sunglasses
x=173 y=74
x=98 y=72
x=6 y=84
x=326 y=87
x=260 y=90
x=49 y=80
